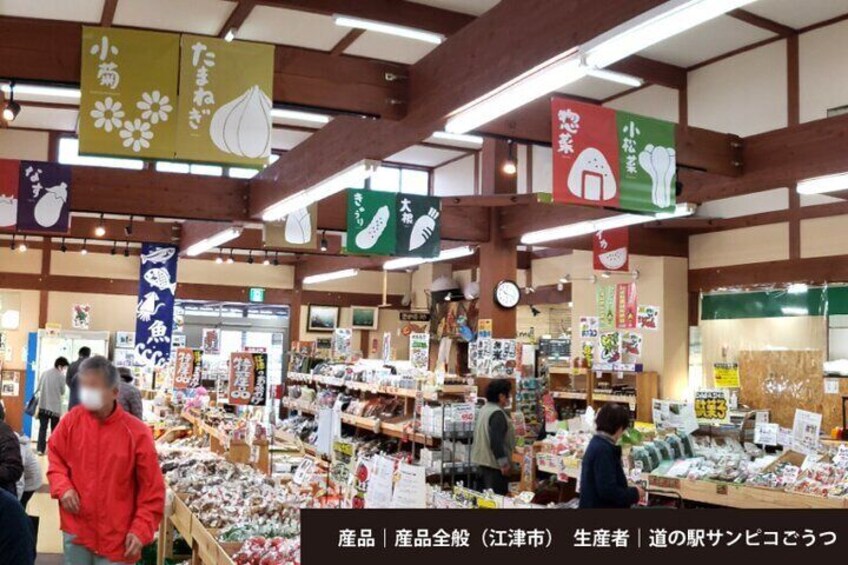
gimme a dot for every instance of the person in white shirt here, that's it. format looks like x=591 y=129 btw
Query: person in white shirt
x=31 y=480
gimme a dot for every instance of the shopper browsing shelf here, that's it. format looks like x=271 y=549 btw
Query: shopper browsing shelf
x=71 y=377
x=494 y=438
x=51 y=389
x=129 y=397
x=104 y=471
x=602 y=480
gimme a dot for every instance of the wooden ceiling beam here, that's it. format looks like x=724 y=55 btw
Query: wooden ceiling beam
x=237 y=17
x=818 y=270
x=109 y=7
x=762 y=23
x=395 y=12
x=503 y=43
x=49 y=51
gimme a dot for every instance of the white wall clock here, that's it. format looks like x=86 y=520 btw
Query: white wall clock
x=507 y=294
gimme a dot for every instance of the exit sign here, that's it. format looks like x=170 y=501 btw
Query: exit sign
x=256 y=294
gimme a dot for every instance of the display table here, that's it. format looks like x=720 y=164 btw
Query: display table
x=205 y=547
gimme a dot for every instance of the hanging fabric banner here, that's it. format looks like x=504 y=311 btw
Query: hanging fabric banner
x=9 y=173
x=157 y=287
x=605 y=304
x=225 y=101
x=418 y=226
x=383 y=223
x=625 y=305
x=610 y=250
x=298 y=230
x=613 y=159
x=128 y=86
x=43 y=197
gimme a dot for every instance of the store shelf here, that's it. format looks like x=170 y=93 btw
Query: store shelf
x=569 y=395
x=446 y=390
x=568 y=371
x=621 y=398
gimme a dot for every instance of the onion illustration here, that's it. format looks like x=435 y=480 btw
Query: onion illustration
x=298 y=227
x=49 y=208
x=243 y=126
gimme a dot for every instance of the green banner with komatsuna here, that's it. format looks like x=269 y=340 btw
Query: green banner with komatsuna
x=384 y=223
x=131 y=105
x=603 y=157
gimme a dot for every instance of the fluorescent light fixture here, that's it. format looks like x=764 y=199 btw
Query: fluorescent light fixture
x=613 y=76
x=609 y=223
x=212 y=241
x=458 y=138
x=390 y=29
x=230 y=35
x=335 y=275
x=446 y=255
x=656 y=25
x=794 y=310
x=820 y=185
x=352 y=176
x=535 y=83
x=797 y=288
x=299 y=115
x=26 y=90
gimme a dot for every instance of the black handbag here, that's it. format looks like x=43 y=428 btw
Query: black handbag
x=32 y=406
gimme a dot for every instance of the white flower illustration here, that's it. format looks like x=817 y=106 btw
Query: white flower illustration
x=107 y=114
x=136 y=134
x=154 y=107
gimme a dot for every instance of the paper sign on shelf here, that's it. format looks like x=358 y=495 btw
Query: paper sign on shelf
x=805 y=431
x=712 y=406
x=411 y=488
x=726 y=375
x=766 y=434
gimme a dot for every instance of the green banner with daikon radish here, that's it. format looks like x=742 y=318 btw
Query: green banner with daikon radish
x=383 y=223
x=603 y=157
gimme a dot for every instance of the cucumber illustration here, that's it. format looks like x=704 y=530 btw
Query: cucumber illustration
x=367 y=238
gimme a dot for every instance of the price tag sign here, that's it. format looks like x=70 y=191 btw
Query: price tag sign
x=766 y=434
x=712 y=406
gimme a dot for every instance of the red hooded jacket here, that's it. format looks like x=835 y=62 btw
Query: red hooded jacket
x=114 y=468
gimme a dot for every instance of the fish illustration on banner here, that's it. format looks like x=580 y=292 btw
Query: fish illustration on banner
x=44 y=203
x=603 y=157
x=155 y=309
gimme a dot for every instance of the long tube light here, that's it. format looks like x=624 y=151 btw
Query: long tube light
x=821 y=185
x=612 y=222
x=352 y=176
x=25 y=90
x=446 y=255
x=299 y=115
x=335 y=275
x=539 y=81
x=213 y=241
x=654 y=26
x=390 y=29
x=613 y=76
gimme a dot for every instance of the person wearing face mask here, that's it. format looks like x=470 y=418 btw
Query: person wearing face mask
x=603 y=483
x=494 y=439
x=71 y=377
x=104 y=472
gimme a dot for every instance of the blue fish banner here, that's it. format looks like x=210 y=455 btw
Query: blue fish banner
x=154 y=314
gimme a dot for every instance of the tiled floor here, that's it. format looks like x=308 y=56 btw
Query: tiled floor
x=49 y=536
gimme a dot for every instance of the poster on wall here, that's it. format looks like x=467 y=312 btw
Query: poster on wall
x=155 y=310
x=225 y=103
x=342 y=343
x=610 y=347
x=625 y=306
x=712 y=406
x=128 y=86
x=419 y=350
x=726 y=375
x=81 y=316
x=298 y=229
x=609 y=158
x=648 y=317
x=248 y=379
x=211 y=341
x=589 y=327
x=35 y=196
x=631 y=347
x=610 y=250
x=605 y=304
x=588 y=348
x=9 y=180
x=124 y=339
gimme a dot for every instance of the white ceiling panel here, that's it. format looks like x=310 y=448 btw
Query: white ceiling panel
x=392 y=48
x=472 y=7
x=290 y=27
x=424 y=156
x=192 y=16
x=37 y=117
x=594 y=88
x=287 y=139
x=711 y=39
x=72 y=10
x=798 y=13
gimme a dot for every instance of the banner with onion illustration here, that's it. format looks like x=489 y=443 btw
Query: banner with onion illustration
x=603 y=157
x=128 y=88
x=224 y=113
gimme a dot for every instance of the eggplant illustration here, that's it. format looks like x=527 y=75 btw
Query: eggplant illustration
x=48 y=210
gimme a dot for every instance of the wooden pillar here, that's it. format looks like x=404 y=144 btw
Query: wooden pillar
x=44 y=295
x=296 y=303
x=498 y=257
x=793 y=112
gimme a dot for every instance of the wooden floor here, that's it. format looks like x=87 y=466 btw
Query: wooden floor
x=49 y=535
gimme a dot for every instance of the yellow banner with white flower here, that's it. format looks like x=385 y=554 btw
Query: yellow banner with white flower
x=128 y=85
x=224 y=114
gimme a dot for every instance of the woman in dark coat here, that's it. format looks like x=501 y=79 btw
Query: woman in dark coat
x=602 y=480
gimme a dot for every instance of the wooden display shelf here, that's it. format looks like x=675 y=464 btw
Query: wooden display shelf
x=397 y=430
x=569 y=395
x=739 y=496
x=446 y=390
x=205 y=547
x=182 y=519
x=568 y=370
x=620 y=398
x=570 y=384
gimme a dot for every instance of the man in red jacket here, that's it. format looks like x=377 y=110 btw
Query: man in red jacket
x=104 y=471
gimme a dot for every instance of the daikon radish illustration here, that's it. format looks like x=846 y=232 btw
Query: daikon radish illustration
x=423 y=229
